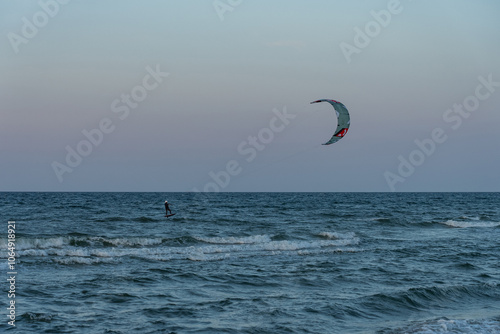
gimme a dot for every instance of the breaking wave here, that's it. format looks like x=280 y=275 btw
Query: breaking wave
x=335 y=235
x=445 y=325
x=25 y=244
x=95 y=250
x=469 y=224
x=236 y=240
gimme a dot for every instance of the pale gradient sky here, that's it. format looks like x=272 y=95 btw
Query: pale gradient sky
x=226 y=77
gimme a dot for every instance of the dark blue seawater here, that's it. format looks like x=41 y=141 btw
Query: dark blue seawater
x=254 y=262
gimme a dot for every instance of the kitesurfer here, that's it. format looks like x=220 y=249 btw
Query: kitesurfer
x=167 y=209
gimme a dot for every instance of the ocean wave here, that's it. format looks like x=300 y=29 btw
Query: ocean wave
x=130 y=242
x=23 y=244
x=329 y=251
x=445 y=325
x=388 y=221
x=425 y=298
x=32 y=316
x=141 y=219
x=145 y=219
x=111 y=219
x=470 y=218
x=336 y=235
x=268 y=248
x=469 y=224
x=382 y=220
x=63 y=251
x=41 y=243
x=81 y=260
x=236 y=240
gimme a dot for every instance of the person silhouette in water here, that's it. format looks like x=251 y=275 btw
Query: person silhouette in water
x=167 y=209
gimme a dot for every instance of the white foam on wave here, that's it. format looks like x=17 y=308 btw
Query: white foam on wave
x=60 y=242
x=81 y=260
x=70 y=252
x=41 y=243
x=134 y=241
x=483 y=326
x=270 y=248
x=468 y=224
x=264 y=246
x=35 y=243
x=254 y=239
x=471 y=218
x=336 y=235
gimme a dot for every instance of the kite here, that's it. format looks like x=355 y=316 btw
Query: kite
x=343 y=120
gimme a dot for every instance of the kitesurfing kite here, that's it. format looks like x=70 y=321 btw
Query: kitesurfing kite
x=343 y=119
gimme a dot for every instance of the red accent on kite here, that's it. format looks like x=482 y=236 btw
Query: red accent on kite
x=342 y=133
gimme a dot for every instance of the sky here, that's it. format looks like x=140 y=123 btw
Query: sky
x=203 y=95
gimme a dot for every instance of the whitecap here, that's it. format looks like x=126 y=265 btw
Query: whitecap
x=81 y=260
x=465 y=326
x=236 y=240
x=336 y=235
x=468 y=224
x=136 y=241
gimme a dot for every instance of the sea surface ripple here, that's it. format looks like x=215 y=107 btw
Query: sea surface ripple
x=254 y=262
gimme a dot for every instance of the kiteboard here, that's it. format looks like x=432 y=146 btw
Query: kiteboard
x=170 y=215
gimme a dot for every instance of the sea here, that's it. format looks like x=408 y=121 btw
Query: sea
x=250 y=262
